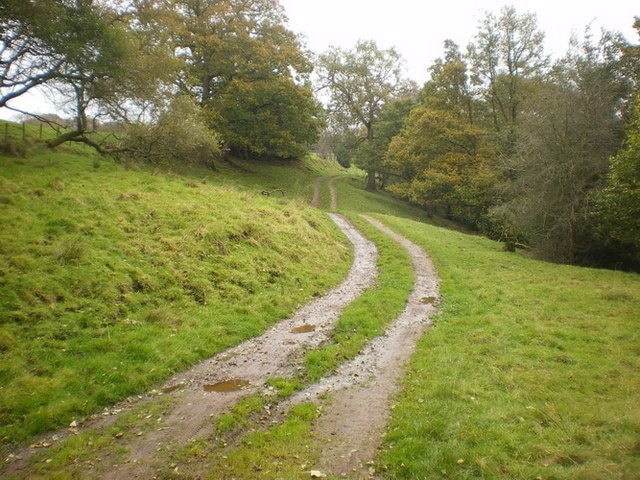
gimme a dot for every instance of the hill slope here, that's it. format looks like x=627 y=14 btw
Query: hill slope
x=112 y=279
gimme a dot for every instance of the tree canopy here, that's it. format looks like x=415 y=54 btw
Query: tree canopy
x=360 y=82
x=123 y=61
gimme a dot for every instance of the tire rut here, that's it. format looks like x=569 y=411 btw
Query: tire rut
x=352 y=423
x=362 y=390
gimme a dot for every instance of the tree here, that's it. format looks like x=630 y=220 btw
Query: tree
x=568 y=129
x=86 y=53
x=271 y=117
x=444 y=163
x=449 y=87
x=96 y=70
x=33 y=46
x=507 y=51
x=618 y=202
x=250 y=74
x=220 y=40
x=360 y=83
x=390 y=123
x=178 y=135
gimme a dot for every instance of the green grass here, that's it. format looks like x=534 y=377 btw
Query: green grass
x=283 y=451
x=111 y=279
x=531 y=370
x=85 y=448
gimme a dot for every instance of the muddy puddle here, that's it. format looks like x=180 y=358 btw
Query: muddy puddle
x=232 y=385
x=304 y=329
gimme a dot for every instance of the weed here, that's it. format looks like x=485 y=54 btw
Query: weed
x=282 y=451
x=70 y=251
x=57 y=184
x=284 y=387
x=239 y=415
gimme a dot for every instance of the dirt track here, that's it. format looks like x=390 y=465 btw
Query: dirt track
x=350 y=426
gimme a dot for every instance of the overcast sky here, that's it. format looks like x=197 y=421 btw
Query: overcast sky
x=418 y=28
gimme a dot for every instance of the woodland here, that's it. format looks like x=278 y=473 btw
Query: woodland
x=542 y=154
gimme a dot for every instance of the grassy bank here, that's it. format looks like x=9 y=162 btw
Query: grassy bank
x=531 y=370
x=111 y=279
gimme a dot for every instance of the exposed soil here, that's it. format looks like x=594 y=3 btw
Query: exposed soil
x=350 y=426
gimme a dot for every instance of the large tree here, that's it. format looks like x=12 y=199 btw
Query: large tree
x=92 y=57
x=36 y=38
x=449 y=87
x=444 y=163
x=506 y=52
x=360 y=82
x=249 y=72
x=618 y=203
x=569 y=128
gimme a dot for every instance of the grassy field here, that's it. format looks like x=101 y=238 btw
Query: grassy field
x=104 y=269
x=530 y=371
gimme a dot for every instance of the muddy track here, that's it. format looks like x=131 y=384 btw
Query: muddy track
x=317 y=195
x=351 y=425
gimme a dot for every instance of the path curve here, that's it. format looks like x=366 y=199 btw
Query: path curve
x=350 y=427
x=352 y=424
x=276 y=353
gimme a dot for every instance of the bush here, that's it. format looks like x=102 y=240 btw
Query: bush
x=178 y=135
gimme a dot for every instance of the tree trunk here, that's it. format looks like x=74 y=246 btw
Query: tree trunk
x=67 y=137
x=371 y=181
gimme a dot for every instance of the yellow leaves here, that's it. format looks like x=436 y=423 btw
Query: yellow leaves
x=444 y=160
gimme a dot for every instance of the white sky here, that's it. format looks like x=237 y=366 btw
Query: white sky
x=418 y=28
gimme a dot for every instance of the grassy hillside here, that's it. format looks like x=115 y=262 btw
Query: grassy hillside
x=531 y=370
x=112 y=278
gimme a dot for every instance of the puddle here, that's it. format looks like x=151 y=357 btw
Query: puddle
x=304 y=329
x=227 y=386
x=427 y=300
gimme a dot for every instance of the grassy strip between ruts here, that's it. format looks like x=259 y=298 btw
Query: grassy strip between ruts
x=531 y=370
x=367 y=316
x=112 y=279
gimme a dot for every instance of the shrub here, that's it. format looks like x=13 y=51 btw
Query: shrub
x=178 y=135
